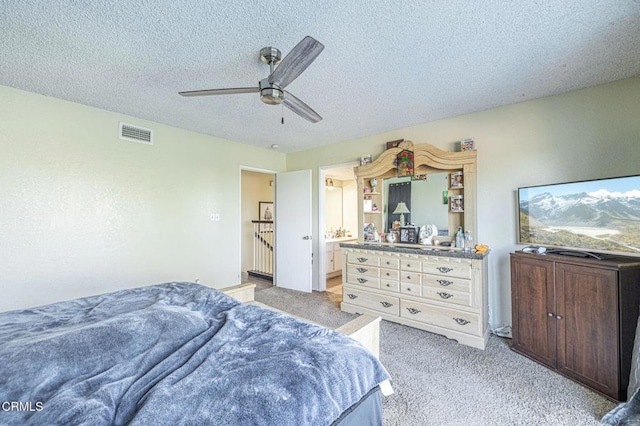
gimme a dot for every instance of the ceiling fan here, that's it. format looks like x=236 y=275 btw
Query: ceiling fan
x=272 y=88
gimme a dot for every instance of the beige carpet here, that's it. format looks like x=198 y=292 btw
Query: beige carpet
x=440 y=382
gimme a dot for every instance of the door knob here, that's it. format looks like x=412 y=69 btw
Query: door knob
x=306 y=237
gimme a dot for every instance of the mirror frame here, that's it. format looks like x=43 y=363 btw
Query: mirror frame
x=427 y=159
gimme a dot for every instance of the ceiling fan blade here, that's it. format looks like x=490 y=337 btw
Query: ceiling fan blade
x=229 y=91
x=296 y=61
x=300 y=108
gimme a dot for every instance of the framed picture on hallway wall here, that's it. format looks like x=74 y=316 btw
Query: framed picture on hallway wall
x=265 y=209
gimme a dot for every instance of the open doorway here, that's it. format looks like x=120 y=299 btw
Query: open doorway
x=257 y=245
x=337 y=219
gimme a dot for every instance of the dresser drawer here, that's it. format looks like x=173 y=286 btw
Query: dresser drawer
x=447 y=283
x=442 y=317
x=389 y=285
x=410 y=265
x=389 y=262
x=410 y=278
x=363 y=259
x=389 y=274
x=364 y=271
x=386 y=304
x=449 y=296
x=389 y=278
x=372 y=282
x=412 y=289
x=451 y=268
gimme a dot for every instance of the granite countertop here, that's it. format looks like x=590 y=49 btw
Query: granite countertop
x=416 y=249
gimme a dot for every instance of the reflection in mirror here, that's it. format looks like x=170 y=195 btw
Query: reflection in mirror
x=426 y=200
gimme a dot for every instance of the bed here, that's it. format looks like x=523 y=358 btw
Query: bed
x=183 y=353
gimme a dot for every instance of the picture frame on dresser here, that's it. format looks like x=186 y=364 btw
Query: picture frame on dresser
x=409 y=234
x=457 y=203
x=456 y=180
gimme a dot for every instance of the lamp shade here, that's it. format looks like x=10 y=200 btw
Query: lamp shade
x=401 y=208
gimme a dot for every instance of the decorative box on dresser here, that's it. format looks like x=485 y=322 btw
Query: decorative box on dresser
x=440 y=291
x=577 y=316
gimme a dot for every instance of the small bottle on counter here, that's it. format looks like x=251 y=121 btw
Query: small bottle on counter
x=468 y=242
x=460 y=238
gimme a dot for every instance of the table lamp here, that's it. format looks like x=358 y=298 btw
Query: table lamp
x=401 y=209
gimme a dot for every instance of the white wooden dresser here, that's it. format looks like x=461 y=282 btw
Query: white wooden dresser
x=444 y=292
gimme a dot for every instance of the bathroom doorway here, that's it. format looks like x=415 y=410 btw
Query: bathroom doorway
x=337 y=219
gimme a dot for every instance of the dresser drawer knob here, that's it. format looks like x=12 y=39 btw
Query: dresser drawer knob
x=352 y=296
x=362 y=259
x=408 y=288
x=388 y=285
x=388 y=263
x=408 y=277
x=444 y=282
x=461 y=321
x=445 y=295
x=362 y=270
x=386 y=304
x=413 y=311
x=362 y=280
x=388 y=274
x=444 y=269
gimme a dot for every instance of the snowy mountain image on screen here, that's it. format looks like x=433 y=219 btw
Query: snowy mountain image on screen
x=598 y=220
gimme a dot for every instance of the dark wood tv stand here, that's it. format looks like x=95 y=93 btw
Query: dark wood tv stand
x=577 y=316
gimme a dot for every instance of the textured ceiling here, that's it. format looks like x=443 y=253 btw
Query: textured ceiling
x=387 y=64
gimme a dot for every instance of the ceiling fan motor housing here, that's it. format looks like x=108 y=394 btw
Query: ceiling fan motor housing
x=270 y=55
x=270 y=93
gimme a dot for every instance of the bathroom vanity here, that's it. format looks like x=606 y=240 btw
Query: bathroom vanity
x=334 y=254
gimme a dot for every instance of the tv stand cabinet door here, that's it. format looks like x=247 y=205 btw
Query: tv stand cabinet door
x=588 y=346
x=533 y=306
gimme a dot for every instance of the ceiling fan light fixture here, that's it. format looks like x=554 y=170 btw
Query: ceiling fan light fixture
x=271 y=96
x=270 y=93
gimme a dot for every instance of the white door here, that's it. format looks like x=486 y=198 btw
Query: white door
x=293 y=231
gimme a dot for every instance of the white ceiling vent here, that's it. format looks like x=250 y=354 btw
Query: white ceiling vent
x=129 y=132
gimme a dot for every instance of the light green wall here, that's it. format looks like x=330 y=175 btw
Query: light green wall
x=83 y=212
x=584 y=134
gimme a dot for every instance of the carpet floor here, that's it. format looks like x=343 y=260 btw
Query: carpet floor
x=440 y=382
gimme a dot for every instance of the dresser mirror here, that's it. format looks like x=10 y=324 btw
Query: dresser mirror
x=429 y=197
x=426 y=200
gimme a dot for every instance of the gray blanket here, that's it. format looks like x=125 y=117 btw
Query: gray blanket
x=176 y=353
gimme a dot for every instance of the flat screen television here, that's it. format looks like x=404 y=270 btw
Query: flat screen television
x=587 y=217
